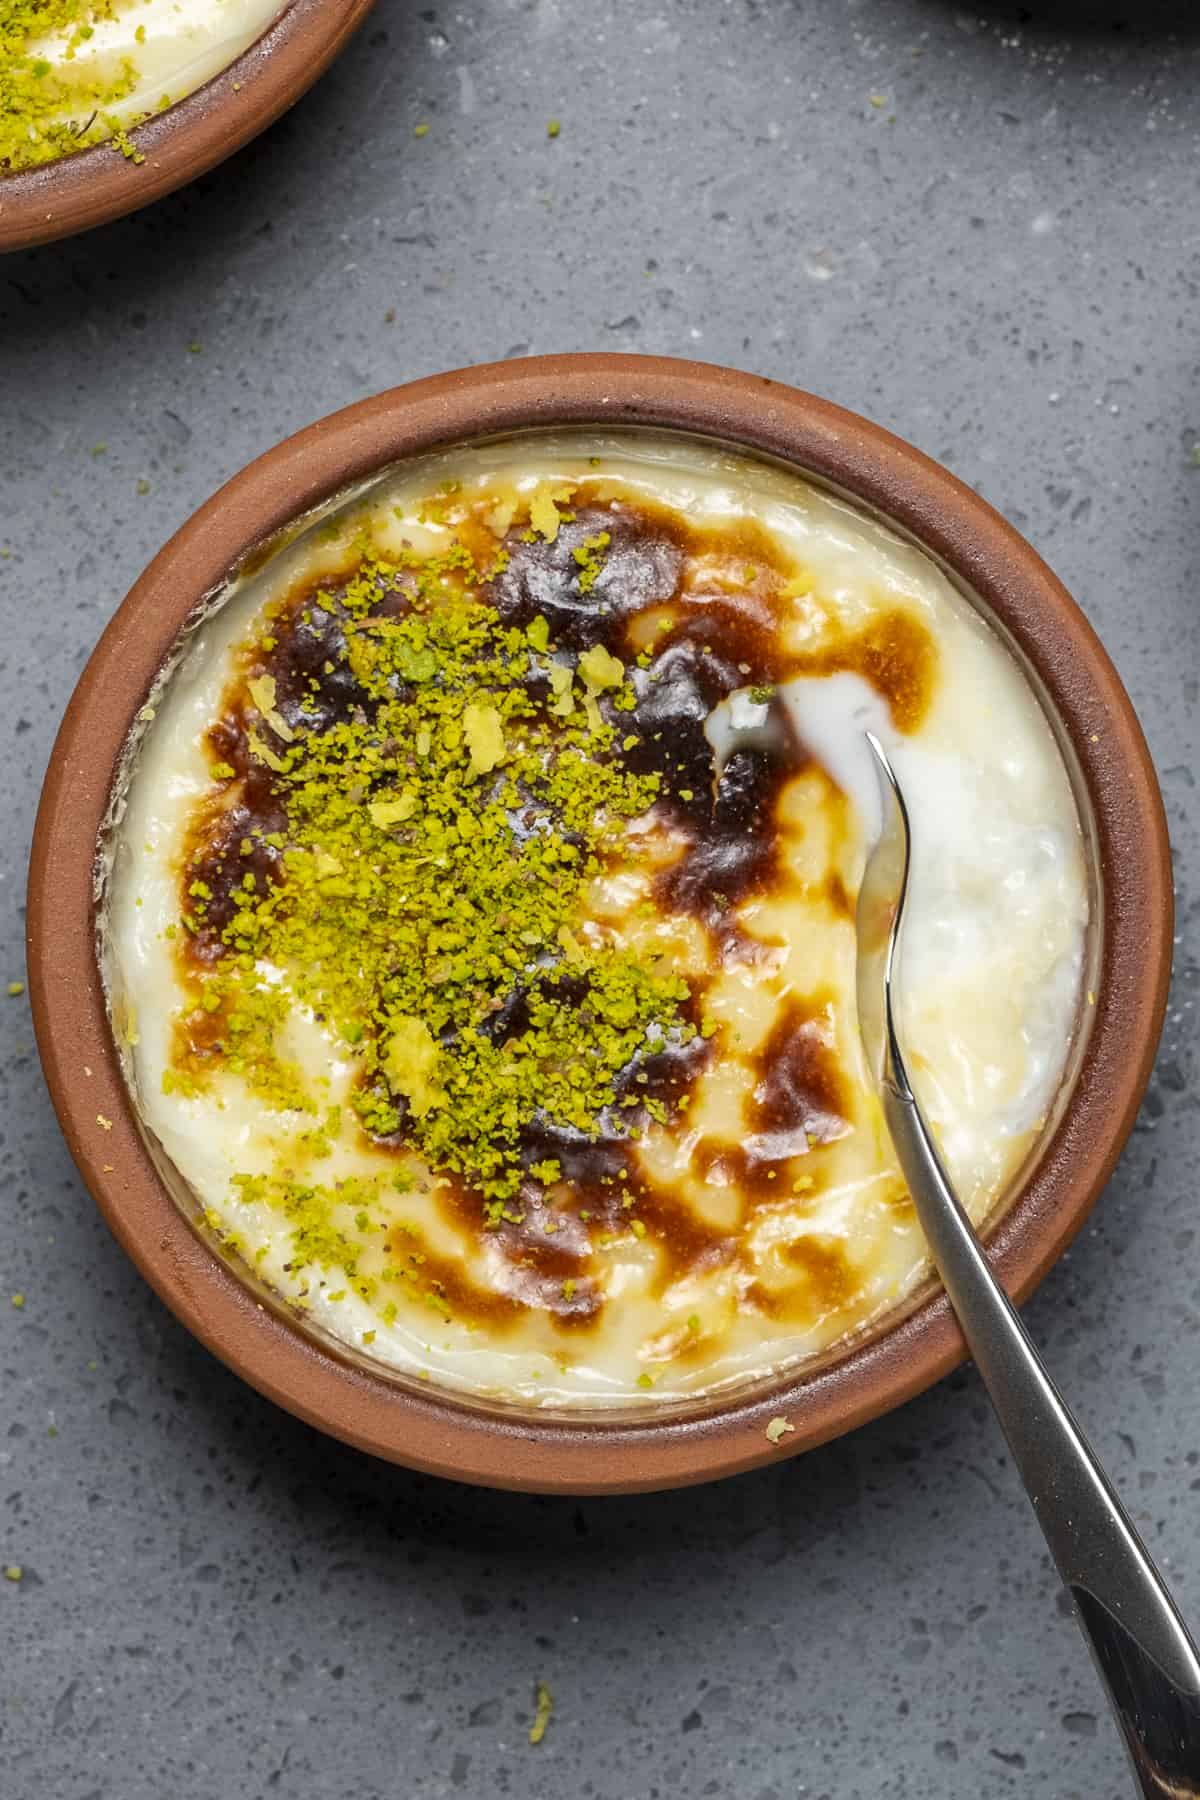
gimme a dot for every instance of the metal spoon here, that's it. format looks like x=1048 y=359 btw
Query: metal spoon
x=1141 y=1646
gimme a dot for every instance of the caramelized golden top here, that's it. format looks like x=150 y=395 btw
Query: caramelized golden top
x=481 y=931
x=691 y=612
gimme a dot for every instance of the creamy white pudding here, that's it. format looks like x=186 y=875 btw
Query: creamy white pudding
x=479 y=922
x=76 y=72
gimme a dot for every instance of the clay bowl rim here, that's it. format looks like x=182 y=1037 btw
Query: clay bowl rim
x=95 y=186
x=430 y=1431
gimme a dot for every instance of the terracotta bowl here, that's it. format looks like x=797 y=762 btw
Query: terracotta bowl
x=96 y=185
x=1131 y=893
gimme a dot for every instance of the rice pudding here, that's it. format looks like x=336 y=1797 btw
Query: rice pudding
x=79 y=72
x=478 y=918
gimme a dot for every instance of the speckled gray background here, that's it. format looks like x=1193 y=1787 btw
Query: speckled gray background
x=1000 y=262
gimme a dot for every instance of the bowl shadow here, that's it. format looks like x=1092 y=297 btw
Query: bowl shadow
x=1128 y=22
x=786 y=1508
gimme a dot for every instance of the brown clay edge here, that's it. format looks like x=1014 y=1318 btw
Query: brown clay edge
x=433 y=1433
x=99 y=185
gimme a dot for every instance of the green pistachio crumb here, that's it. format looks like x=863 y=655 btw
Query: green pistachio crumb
x=125 y=146
x=543 y=1707
x=589 y=556
x=600 y=669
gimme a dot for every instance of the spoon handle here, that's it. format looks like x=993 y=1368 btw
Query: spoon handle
x=1140 y=1644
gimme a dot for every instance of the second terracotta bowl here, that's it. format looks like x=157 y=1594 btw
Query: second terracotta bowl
x=94 y=186
x=1116 y=792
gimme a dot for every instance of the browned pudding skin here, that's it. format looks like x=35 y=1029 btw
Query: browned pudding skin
x=717 y=590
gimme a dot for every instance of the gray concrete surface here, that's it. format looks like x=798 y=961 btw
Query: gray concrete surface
x=1000 y=261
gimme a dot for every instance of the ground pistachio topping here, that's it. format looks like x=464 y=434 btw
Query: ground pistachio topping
x=49 y=109
x=424 y=882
